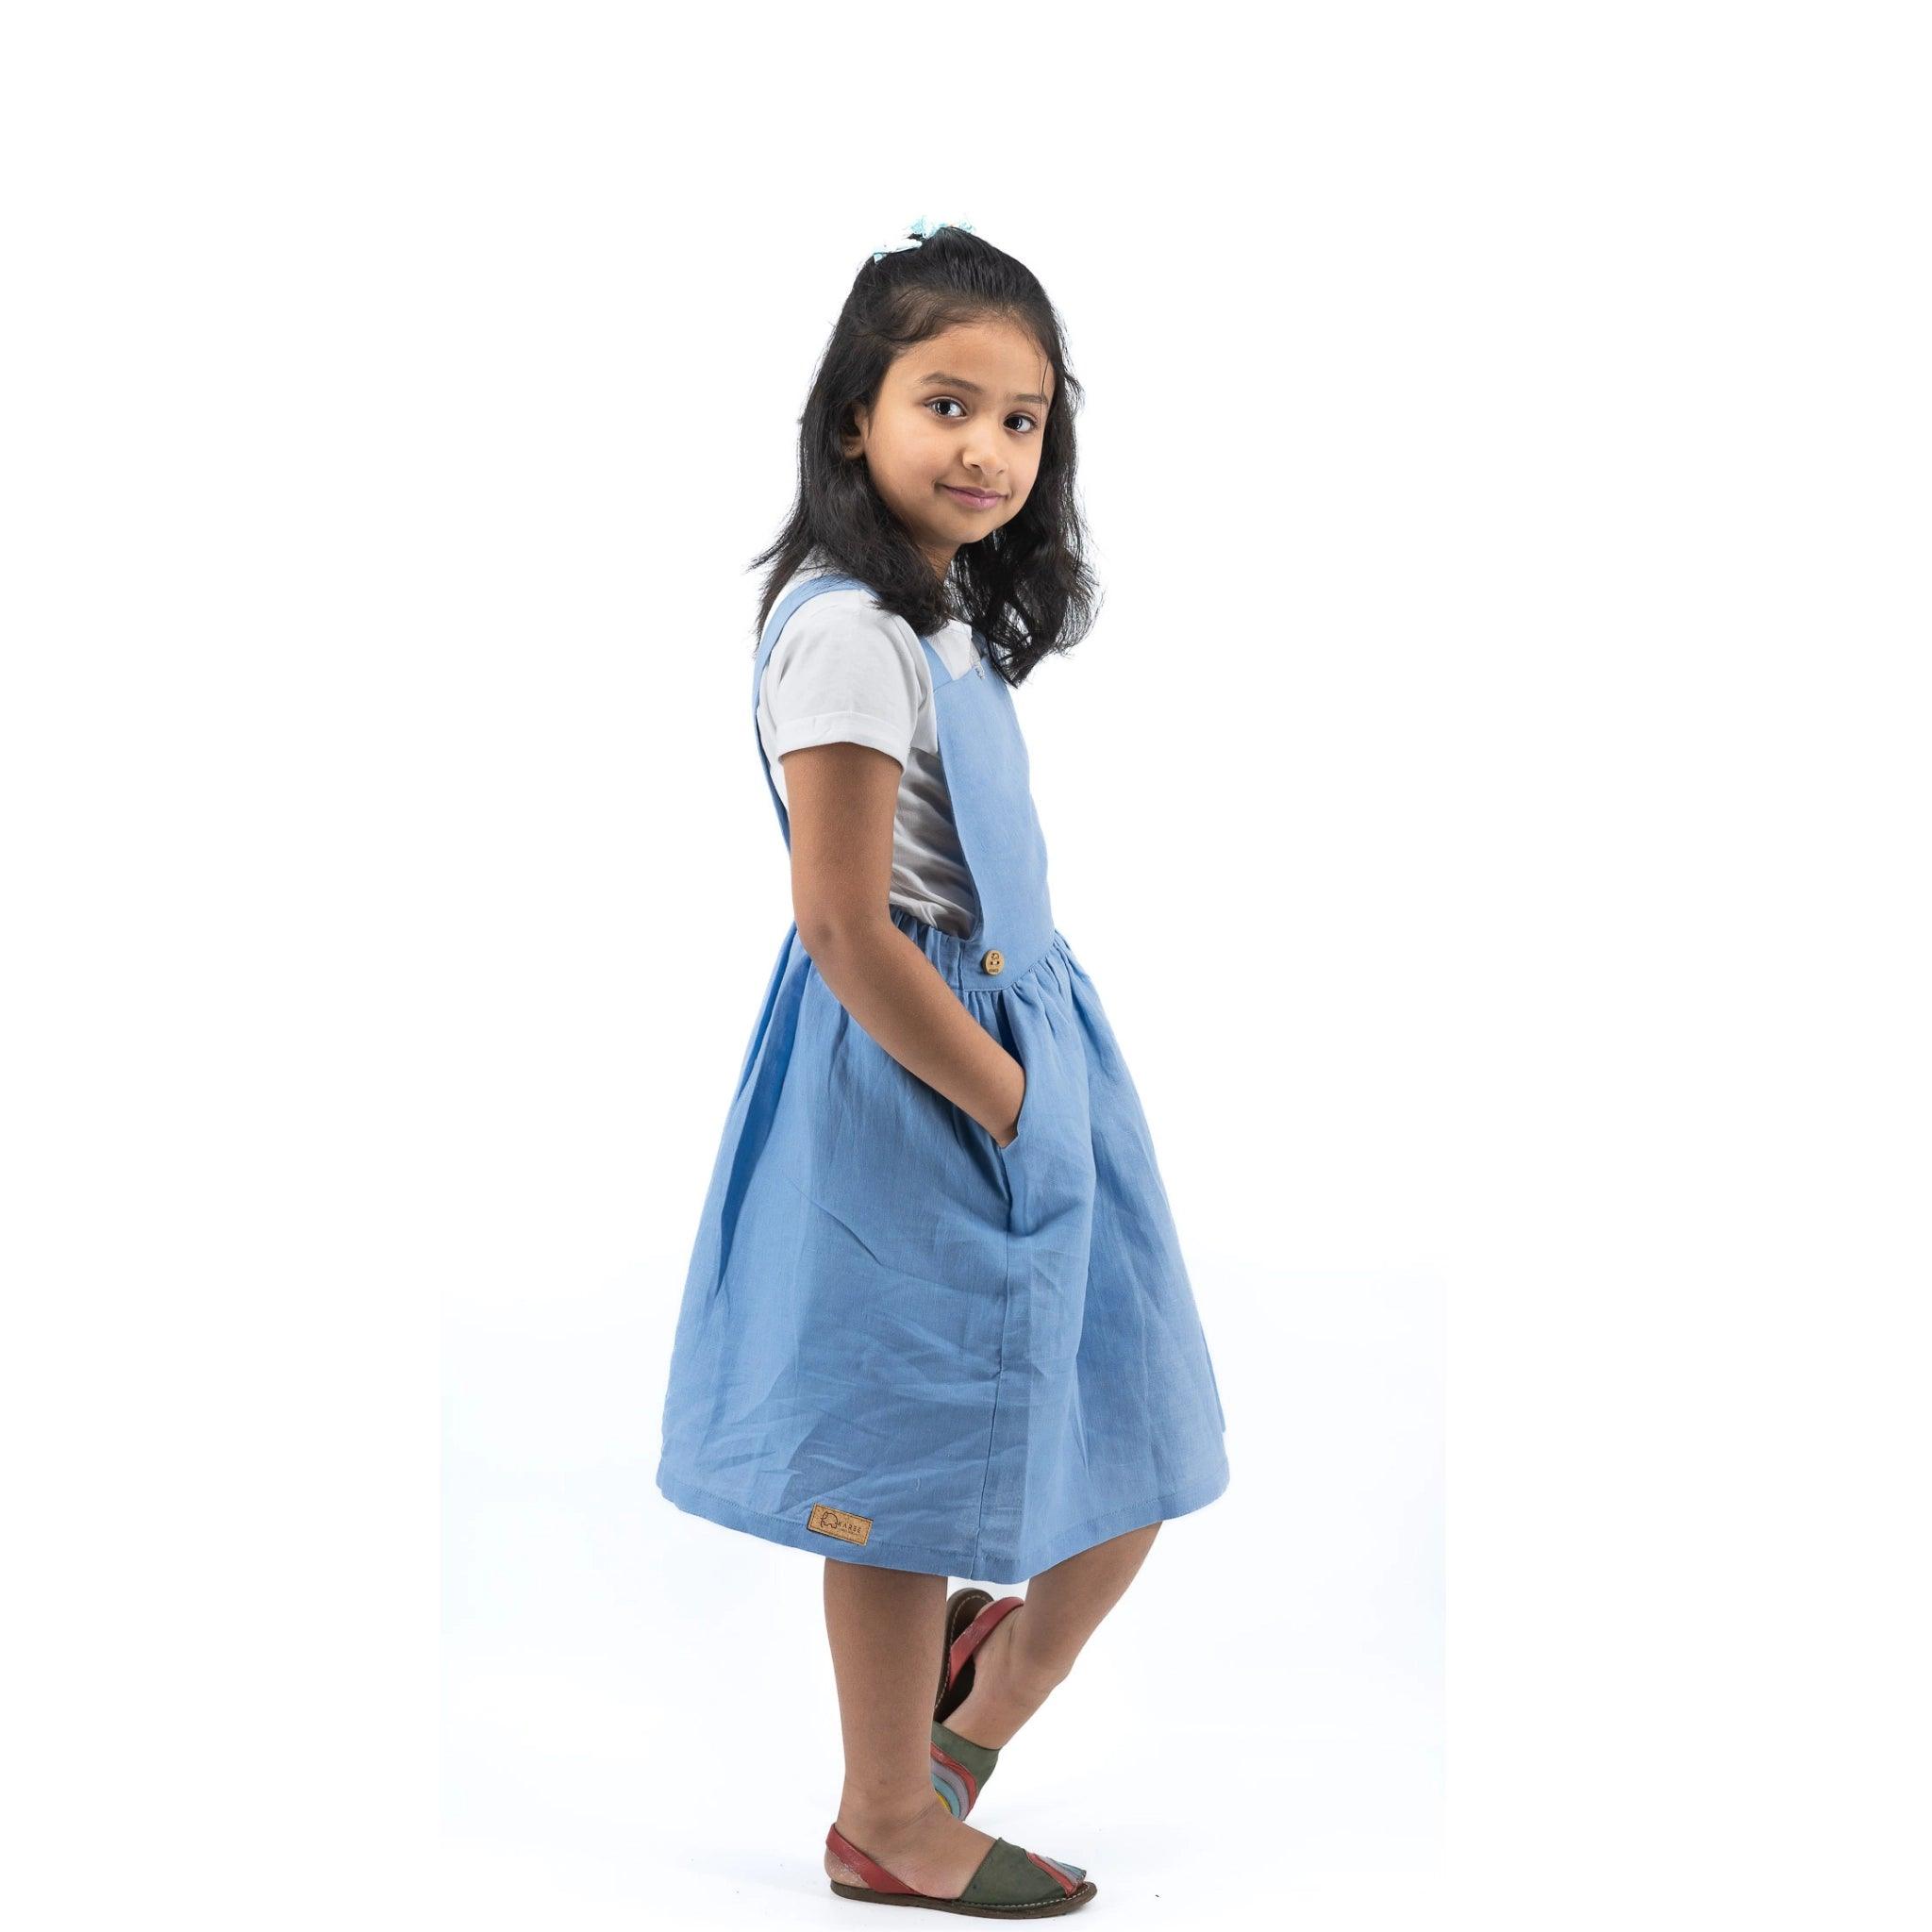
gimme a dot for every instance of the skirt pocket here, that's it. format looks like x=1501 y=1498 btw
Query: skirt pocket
x=999 y=1022
x=1022 y=1136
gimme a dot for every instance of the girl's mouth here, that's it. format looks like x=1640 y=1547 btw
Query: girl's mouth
x=973 y=499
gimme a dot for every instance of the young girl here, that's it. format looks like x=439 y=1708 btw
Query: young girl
x=937 y=1321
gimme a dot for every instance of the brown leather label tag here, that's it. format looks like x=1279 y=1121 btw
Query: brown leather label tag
x=838 y=1523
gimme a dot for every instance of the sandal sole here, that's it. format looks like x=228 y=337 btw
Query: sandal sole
x=1046 y=1908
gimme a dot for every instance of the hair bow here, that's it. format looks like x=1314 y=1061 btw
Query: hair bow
x=925 y=229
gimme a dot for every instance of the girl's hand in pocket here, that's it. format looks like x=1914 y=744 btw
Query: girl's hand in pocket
x=1012 y=1132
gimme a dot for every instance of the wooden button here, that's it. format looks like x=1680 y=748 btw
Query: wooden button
x=992 y=962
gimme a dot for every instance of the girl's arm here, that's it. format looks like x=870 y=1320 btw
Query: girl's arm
x=841 y=799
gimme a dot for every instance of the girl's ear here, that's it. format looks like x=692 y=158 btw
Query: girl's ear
x=853 y=441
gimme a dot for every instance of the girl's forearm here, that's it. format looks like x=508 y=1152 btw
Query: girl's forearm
x=897 y=995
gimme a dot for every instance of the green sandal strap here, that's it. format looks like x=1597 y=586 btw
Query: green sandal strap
x=978 y=1758
x=1011 y=1875
x=959 y=1782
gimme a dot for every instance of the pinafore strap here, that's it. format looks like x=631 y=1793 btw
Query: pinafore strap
x=988 y=779
x=781 y=611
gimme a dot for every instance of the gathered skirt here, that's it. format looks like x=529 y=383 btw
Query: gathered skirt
x=901 y=1343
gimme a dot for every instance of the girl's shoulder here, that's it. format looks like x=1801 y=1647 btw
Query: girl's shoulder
x=841 y=641
x=849 y=613
x=846 y=606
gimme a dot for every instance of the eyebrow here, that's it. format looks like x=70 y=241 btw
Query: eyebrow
x=960 y=382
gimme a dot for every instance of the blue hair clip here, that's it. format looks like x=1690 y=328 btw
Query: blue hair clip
x=922 y=229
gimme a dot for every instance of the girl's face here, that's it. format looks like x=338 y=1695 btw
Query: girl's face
x=962 y=412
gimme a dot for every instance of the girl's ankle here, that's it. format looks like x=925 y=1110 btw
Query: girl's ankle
x=888 y=1823
x=991 y=1717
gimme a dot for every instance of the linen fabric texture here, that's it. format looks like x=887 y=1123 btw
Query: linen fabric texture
x=899 y=1342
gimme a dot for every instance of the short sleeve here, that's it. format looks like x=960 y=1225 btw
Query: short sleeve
x=840 y=672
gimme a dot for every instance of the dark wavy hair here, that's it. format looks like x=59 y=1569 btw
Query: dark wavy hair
x=1025 y=587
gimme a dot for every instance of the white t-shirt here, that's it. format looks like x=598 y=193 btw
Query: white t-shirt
x=845 y=672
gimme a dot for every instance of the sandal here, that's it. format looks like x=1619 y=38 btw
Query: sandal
x=962 y=1607
x=959 y=1767
x=1007 y=1883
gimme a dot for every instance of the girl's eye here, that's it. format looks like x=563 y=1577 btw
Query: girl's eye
x=937 y=401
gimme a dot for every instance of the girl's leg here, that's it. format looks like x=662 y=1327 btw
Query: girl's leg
x=884 y=1626
x=1032 y=1649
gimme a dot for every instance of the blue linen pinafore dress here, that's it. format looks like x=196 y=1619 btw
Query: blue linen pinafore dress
x=899 y=1342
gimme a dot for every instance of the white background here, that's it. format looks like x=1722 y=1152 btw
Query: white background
x=1493 y=804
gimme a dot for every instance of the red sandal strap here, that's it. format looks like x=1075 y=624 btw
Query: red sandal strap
x=869 y=1869
x=1054 y=1872
x=975 y=1633
x=967 y=1780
